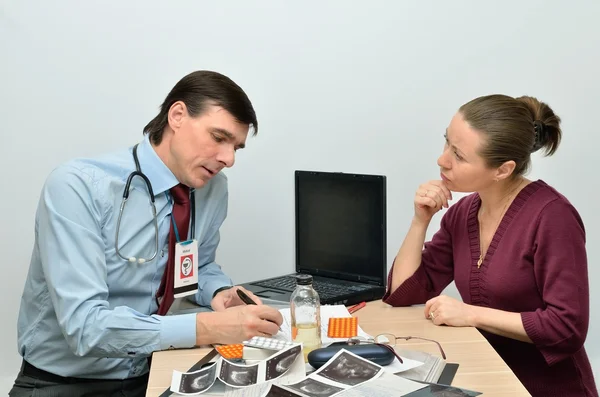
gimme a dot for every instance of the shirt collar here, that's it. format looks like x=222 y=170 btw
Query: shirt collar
x=160 y=176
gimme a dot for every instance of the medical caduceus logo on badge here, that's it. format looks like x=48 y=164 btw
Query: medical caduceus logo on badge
x=186 y=266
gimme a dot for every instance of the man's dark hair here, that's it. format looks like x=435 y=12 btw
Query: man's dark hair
x=198 y=90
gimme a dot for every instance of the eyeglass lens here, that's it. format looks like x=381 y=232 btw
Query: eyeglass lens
x=386 y=339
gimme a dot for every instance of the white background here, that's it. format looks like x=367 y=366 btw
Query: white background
x=337 y=86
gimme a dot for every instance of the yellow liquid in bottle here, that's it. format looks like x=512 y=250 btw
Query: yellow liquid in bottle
x=310 y=337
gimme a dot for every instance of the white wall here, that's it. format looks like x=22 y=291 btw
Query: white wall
x=337 y=86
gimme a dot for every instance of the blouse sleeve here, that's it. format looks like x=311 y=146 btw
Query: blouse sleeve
x=434 y=273
x=560 y=266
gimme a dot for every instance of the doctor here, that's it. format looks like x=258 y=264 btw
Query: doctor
x=118 y=237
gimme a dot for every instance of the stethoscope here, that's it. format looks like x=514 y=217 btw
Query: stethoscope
x=138 y=172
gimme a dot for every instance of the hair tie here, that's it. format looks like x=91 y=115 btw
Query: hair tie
x=540 y=135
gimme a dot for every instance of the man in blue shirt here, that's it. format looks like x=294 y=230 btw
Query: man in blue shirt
x=89 y=316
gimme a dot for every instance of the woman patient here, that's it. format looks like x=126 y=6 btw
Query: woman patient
x=515 y=248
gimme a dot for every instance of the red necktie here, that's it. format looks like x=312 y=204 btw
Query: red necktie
x=181 y=214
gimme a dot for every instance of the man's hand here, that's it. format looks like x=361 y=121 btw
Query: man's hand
x=237 y=324
x=229 y=298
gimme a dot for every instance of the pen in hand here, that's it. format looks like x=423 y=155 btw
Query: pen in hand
x=247 y=300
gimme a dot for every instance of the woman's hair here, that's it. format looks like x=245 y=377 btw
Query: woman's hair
x=513 y=129
x=198 y=90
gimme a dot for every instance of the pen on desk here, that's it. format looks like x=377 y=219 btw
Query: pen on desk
x=357 y=307
x=246 y=299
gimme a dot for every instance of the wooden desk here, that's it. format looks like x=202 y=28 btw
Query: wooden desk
x=480 y=367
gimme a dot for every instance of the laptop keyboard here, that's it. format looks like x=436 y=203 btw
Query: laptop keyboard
x=325 y=289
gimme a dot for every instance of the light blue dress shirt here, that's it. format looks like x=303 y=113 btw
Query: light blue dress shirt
x=86 y=312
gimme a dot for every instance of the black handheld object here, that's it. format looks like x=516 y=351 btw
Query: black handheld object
x=246 y=299
x=373 y=352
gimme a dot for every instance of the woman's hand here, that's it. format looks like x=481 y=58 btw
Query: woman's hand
x=431 y=197
x=443 y=310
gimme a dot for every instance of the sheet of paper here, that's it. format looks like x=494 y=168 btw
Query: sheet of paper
x=343 y=371
x=396 y=366
x=238 y=375
x=296 y=373
x=331 y=311
x=393 y=368
x=384 y=386
x=432 y=390
x=327 y=312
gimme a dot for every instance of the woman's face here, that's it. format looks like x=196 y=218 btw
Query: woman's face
x=461 y=167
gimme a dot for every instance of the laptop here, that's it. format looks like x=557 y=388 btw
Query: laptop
x=340 y=239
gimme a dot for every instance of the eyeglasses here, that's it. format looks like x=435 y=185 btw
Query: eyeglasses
x=389 y=341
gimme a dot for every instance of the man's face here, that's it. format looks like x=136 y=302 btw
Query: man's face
x=204 y=145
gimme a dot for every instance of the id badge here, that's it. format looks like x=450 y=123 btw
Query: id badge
x=186 y=268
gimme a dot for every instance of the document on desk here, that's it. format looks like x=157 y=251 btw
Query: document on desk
x=237 y=375
x=384 y=386
x=396 y=366
x=327 y=312
x=344 y=371
x=296 y=373
x=336 y=311
x=435 y=390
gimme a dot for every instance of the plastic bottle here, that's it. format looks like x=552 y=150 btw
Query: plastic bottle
x=305 y=310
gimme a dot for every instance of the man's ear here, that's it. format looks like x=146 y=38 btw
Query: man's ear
x=177 y=111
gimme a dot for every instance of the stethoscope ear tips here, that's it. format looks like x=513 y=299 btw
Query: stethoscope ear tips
x=133 y=259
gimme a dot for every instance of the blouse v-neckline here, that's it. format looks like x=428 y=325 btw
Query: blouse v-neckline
x=478 y=276
x=510 y=213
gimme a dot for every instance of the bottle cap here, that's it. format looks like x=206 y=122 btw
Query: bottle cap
x=304 y=279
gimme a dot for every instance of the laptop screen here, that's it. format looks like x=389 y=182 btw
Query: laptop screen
x=341 y=225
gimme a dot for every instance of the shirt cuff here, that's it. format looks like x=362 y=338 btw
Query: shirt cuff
x=221 y=289
x=206 y=291
x=534 y=331
x=410 y=292
x=178 y=331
